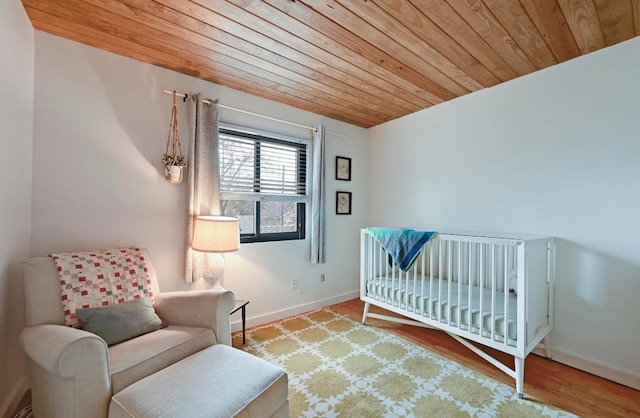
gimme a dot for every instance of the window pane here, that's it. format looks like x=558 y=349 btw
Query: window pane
x=237 y=164
x=243 y=210
x=255 y=164
x=278 y=217
x=280 y=169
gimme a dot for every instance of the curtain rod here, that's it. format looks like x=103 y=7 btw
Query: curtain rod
x=185 y=96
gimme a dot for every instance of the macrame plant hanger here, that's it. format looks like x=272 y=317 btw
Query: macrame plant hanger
x=174 y=163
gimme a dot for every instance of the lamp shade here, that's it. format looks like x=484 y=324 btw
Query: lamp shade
x=216 y=234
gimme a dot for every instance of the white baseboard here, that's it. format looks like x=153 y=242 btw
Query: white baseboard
x=15 y=396
x=598 y=369
x=296 y=310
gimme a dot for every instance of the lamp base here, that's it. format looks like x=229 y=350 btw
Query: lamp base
x=216 y=284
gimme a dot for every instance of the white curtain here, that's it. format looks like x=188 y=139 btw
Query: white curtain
x=203 y=179
x=318 y=197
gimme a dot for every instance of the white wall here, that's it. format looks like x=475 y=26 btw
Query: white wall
x=16 y=140
x=556 y=153
x=100 y=130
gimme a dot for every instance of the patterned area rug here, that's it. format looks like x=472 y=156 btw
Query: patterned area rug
x=339 y=367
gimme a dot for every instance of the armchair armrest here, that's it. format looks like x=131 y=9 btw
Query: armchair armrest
x=65 y=351
x=75 y=365
x=198 y=308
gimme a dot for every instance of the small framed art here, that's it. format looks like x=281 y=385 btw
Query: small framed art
x=343 y=203
x=343 y=168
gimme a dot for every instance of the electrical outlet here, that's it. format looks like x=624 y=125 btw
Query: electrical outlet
x=322 y=278
x=294 y=284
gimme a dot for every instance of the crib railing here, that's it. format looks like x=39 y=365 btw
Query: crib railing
x=468 y=282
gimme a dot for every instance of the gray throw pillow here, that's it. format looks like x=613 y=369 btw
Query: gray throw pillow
x=121 y=322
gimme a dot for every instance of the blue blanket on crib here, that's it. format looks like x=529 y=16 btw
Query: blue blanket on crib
x=402 y=244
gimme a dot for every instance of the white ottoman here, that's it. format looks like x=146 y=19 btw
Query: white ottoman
x=219 y=381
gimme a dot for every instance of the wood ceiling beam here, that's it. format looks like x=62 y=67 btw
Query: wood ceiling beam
x=616 y=19
x=508 y=61
x=522 y=31
x=549 y=20
x=582 y=18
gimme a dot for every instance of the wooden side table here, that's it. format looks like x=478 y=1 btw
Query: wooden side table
x=241 y=304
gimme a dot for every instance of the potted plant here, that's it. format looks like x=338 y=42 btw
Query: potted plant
x=173 y=162
x=173 y=168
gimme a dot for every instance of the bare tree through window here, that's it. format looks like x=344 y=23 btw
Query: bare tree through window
x=259 y=172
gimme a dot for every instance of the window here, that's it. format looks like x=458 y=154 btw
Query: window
x=263 y=183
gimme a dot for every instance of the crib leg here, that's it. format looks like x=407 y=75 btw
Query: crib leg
x=366 y=311
x=547 y=345
x=519 y=376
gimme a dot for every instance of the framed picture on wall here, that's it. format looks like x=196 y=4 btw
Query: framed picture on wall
x=343 y=168
x=343 y=203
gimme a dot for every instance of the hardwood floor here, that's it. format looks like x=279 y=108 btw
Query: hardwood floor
x=575 y=391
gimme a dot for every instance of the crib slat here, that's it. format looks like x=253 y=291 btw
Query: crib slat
x=393 y=282
x=449 y=261
x=493 y=292
x=407 y=278
x=406 y=287
x=439 y=304
x=459 y=317
x=382 y=264
x=431 y=274
x=372 y=264
x=519 y=257
x=469 y=288
x=377 y=267
x=401 y=291
x=383 y=273
x=415 y=279
x=481 y=266
x=506 y=295
x=422 y=266
x=404 y=279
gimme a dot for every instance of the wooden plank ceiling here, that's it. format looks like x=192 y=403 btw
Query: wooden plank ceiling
x=364 y=62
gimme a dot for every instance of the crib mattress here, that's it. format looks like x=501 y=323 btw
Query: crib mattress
x=412 y=295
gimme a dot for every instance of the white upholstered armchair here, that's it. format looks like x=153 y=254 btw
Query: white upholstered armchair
x=74 y=373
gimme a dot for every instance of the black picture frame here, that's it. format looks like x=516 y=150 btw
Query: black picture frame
x=343 y=168
x=343 y=203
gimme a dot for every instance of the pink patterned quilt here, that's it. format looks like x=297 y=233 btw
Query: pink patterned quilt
x=101 y=278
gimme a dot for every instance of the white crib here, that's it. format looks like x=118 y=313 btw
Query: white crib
x=493 y=289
